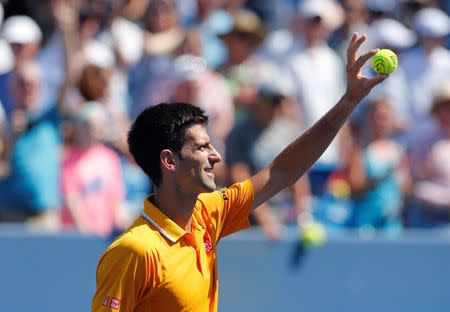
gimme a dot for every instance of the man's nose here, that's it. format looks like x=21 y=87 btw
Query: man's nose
x=215 y=155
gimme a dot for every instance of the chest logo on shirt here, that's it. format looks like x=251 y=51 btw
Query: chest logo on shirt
x=92 y=187
x=208 y=244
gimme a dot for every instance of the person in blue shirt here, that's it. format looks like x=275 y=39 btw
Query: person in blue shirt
x=24 y=37
x=378 y=174
x=31 y=187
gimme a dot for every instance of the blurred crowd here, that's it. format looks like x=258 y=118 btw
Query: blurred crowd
x=75 y=73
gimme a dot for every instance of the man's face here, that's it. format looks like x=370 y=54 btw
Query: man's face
x=162 y=16
x=24 y=52
x=381 y=118
x=194 y=169
x=315 y=30
x=26 y=88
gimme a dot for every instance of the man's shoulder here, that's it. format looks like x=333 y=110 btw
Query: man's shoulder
x=211 y=197
x=138 y=239
x=223 y=194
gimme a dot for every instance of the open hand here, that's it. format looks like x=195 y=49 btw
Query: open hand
x=359 y=86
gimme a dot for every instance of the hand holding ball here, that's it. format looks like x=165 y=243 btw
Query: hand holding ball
x=384 y=62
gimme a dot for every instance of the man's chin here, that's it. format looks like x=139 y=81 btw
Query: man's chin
x=209 y=187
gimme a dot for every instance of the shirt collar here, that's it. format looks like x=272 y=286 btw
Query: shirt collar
x=161 y=222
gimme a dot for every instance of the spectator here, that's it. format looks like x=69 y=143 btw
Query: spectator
x=409 y=8
x=24 y=36
x=123 y=36
x=380 y=9
x=318 y=78
x=91 y=72
x=433 y=191
x=356 y=20
x=196 y=84
x=430 y=164
x=126 y=40
x=133 y=10
x=427 y=65
x=390 y=34
x=233 y=6
x=253 y=144
x=148 y=79
x=92 y=184
x=279 y=45
x=242 y=65
x=212 y=22
x=6 y=55
x=72 y=45
x=30 y=190
x=378 y=173
x=94 y=85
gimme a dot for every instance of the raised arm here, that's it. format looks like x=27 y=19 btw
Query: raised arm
x=301 y=154
x=66 y=18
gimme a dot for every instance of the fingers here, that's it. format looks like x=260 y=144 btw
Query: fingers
x=363 y=59
x=353 y=47
x=351 y=43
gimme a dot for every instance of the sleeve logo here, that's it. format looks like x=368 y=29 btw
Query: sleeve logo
x=113 y=303
x=207 y=243
x=106 y=301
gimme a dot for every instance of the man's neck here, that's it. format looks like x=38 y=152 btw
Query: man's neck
x=175 y=205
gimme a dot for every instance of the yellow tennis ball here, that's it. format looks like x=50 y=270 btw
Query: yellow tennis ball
x=313 y=234
x=384 y=61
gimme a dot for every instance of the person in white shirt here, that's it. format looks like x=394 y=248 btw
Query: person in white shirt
x=427 y=65
x=318 y=78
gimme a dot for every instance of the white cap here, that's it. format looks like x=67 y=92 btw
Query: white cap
x=188 y=67
x=99 y=54
x=21 y=29
x=431 y=22
x=391 y=33
x=329 y=11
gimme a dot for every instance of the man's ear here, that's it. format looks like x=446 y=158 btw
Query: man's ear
x=167 y=159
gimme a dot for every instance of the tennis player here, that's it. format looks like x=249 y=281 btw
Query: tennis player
x=166 y=260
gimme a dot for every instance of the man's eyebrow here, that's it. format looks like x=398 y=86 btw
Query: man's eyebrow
x=204 y=143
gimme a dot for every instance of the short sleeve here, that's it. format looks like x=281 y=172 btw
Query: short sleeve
x=123 y=277
x=228 y=208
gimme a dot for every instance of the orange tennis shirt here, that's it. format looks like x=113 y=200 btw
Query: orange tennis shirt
x=155 y=265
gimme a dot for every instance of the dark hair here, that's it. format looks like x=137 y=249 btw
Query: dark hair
x=272 y=97
x=161 y=127
x=93 y=82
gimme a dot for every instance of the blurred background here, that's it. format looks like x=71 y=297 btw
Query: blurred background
x=75 y=73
